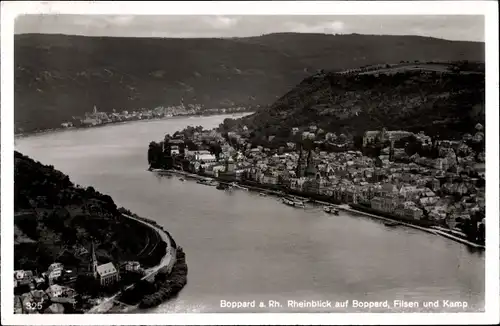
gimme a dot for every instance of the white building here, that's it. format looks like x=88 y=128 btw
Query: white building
x=107 y=274
x=22 y=277
x=54 y=291
x=54 y=272
x=132 y=266
x=205 y=156
x=174 y=150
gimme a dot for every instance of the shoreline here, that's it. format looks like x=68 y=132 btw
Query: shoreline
x=428 y=230
x=344 y=207
x=165 y=266
x=61 y=129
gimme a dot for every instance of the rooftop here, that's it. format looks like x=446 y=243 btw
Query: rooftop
x=106 y=269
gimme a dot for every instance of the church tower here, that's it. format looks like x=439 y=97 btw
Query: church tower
x=93 y=263
x=391 y=151
x=310 y=168
x=302 y=163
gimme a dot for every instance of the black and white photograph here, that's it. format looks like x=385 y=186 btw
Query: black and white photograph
x=325 y=163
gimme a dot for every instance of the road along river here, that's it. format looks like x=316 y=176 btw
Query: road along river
x=242 y=247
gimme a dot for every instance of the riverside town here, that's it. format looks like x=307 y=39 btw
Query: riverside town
x=435 y=184
x=98 y=118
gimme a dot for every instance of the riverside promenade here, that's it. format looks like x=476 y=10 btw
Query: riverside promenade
x=347 y=208
x=167 y=262
x=429 y=230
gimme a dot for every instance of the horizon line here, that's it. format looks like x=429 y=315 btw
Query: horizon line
x=245 y=37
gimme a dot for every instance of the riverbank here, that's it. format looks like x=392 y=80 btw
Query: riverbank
x=425 y=229
x=60 y=129
x=168 y=285
x=273 y=190
x=170 y=276
x=164 y=267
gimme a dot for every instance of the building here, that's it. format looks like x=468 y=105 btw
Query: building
x=370 y=137
x=308 y=135
x=54 y=272
x=268 y=178
x=174 y=150
x=18 y=305
x=107 y=274
x=413 y=212
x=384 y=204
x=230 y=165
x=54 y=291
x=22 y=278
x=132 y=266
x=39 y=282
x=205 y=156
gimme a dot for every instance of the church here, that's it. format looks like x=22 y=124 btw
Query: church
x=106 y=274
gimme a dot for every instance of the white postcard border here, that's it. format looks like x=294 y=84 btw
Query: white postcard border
x=489 y=9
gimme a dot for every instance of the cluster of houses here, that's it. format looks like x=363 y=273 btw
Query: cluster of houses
x=443 y=189
x=96 y=118
x=56 y=284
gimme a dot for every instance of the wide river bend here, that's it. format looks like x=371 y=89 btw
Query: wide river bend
x=243 y=247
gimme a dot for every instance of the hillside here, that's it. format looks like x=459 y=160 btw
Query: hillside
x=435 y=98
x=341 y=52
x=60 y=76
x=56 y=221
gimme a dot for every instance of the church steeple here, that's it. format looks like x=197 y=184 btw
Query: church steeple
x=94 y=260
x=310 y=168
x=391 y=151
x=302 y=162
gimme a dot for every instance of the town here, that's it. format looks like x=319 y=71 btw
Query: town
x=405 y=176
x=65 y=289
x=99 y=118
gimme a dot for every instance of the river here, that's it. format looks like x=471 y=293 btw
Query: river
x=242 y=247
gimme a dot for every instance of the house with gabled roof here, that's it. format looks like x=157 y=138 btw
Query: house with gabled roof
x=107 y=274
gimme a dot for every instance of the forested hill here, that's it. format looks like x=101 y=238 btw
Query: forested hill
x=60 y=76
x=55 y=220
x=435 y=98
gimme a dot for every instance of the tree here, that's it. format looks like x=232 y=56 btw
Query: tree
x=358 y=142
x=86 y=284
x=215 y=149
x=155 y=155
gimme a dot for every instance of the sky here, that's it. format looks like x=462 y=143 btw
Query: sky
x=450 y=27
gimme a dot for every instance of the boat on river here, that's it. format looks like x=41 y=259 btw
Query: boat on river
x=299 y=204
x=207 y=182
x=293 y=202
x=161 y=172
x=391 y=223
x=331 y=210
x=222 y=186
x=288 y=202
x=263 y=194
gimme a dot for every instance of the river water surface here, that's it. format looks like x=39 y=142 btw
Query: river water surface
x=243 y=247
